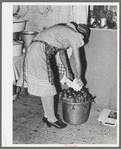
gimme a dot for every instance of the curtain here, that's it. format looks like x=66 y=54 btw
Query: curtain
x=80 y=13
x=76 y=13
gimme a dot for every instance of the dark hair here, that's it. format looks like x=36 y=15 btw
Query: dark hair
x=83 y=29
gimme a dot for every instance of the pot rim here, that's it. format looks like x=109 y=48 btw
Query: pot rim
x=82 y=103
x=29 y=33
x=18 y=42
x=20 y=21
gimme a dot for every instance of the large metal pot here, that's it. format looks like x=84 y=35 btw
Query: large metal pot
x=19 y=26
x=17 y=48
x=76 y=113
x=103 y=22
x=27 y=37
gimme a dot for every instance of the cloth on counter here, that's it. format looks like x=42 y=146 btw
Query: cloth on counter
x=17 y=64
x=15 y=75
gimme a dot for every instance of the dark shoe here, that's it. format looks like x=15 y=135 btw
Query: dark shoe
x=56 y=124
x=44 y=119
x=57 y=116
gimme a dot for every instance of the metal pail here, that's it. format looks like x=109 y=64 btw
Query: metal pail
x=76 y=113
x=27 y=37
x=103 y=22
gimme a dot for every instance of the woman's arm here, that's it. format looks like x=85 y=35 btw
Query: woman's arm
x=62 y=54
x=77 y=61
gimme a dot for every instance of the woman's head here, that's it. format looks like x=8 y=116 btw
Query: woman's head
x=83 y=29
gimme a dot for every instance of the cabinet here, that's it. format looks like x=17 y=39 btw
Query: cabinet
x=18 y=45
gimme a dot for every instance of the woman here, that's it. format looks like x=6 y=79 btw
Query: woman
x=40 y=79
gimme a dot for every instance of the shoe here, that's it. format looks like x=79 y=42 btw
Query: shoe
x=44 y=119
x=57 y=116
x=56 y=124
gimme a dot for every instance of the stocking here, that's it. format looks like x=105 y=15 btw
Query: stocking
x=48 y=106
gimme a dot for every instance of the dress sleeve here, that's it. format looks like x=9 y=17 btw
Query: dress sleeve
x=77 y=40
x=81 y=39
x=58 y=38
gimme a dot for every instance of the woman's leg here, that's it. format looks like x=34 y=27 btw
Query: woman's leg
x=48 y=106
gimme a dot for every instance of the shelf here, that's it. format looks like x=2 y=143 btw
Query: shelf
x=103 y=29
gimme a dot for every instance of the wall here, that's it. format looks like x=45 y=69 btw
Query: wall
x=58 y=14
x=101 y=74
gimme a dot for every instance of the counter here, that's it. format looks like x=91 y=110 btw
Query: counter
x=101 y=59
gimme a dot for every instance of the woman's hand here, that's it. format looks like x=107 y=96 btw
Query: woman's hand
x=69 y=75
x=79 y=82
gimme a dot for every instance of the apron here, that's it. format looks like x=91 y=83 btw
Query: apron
x=37 y=72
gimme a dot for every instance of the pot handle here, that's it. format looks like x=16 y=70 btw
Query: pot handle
x=73 y=108
x=85 y=107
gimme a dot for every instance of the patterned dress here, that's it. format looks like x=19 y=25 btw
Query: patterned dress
x=39 y=75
